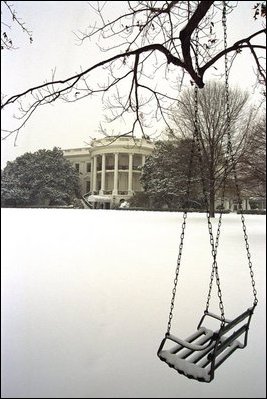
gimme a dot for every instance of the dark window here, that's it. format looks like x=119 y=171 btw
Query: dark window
x=137 y=161
x=98 y=163
x=88 y=167
x=77 y=167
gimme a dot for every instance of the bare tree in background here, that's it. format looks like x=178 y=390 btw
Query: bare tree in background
x=152 y=47
x=213 y=131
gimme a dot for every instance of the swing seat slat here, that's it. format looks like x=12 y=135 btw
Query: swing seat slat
x=202 y=352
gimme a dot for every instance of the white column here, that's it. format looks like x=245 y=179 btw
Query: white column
x=143 y=160
x=116 y=174
x=245 y=204
x=130 y=175
x=92 y=175
x=95 y=174
x=103 y=174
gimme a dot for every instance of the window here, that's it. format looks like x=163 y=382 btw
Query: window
x=123 y=161
x=109 y=161
x=77 y=167
x=137 y=161
x=98 y=163
x=88 y=167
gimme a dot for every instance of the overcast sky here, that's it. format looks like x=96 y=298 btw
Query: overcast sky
x=53 y=24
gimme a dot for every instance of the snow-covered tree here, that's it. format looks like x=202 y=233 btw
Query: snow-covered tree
x=252 y=165
x=44 y=177
x=167 y=172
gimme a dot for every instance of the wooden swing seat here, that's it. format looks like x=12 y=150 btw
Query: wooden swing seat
x=202 y=352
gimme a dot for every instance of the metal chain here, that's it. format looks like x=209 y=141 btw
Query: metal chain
x=218 y=227
x=230 y=149
x=182 y=235
x=227 y=129
x=229 y=157
x=178 y=263
x=218 y=230
x=177 y=272
x=214 y=246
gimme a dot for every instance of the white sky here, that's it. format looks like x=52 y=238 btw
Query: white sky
x=85 y=304
x=54 y=45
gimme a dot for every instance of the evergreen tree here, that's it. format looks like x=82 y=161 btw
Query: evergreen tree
x=44 y=177
x=166 y=174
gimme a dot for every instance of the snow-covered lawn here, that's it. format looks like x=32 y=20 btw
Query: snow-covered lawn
x=86 y=297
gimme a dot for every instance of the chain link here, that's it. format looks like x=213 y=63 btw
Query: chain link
x=205 y=194
x=214 y=246
x=230 y=150
x=227 y=129
x=229 y=158
x=182 y=235
x=177 y=270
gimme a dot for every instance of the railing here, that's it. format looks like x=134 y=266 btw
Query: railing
x=120 y=167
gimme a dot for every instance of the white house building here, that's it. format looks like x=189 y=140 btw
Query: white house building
x=110 y=169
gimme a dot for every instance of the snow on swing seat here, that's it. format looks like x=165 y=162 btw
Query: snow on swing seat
x=201 y=353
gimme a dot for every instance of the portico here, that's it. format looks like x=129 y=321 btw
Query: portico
x=120 y=177
x=113 y=166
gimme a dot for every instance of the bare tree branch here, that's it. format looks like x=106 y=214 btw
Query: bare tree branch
x=6 y=41
x=146 y=38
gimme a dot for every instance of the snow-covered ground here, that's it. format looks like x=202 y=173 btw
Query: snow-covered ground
x=86 y=296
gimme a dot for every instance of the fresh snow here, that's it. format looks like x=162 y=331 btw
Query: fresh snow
x=188 y=344
x=86 y=297
x=187 y=367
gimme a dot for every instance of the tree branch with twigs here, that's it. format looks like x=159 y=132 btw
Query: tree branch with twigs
x=13 y=19
x=150 y=42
